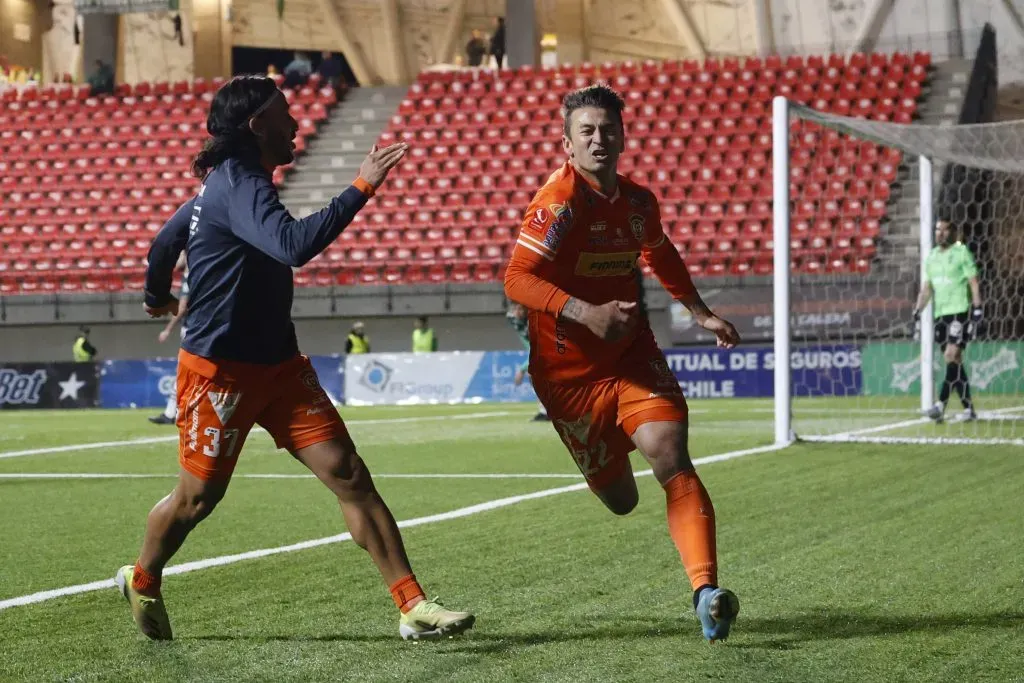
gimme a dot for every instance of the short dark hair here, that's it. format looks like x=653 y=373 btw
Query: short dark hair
x=423 y=320
x=599 y=95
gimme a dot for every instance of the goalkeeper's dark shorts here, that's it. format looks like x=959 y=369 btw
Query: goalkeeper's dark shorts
x=956 y=329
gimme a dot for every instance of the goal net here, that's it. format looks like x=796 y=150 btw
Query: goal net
x=852 y=228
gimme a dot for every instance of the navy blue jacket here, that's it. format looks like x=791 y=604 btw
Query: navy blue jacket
x=241 y=245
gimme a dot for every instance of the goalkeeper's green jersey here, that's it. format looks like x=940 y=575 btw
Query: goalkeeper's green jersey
x=522 y=328
x=948 y=271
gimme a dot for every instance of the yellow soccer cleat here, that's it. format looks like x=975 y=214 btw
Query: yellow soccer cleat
x=149 y=613
x=429 y=619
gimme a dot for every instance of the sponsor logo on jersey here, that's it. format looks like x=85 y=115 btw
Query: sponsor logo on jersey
x=606 y=265
x=539 y=219
x=637 y=226
x=559 y=226
x=600 y=226
x=561 y=335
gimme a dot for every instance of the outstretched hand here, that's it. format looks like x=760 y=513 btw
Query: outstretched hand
x=379 y=162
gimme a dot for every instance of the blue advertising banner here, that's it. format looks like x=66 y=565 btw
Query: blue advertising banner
x=148 y=383
x=710 y=372
x=495 y=378
x=137 y=383
x=330 y=370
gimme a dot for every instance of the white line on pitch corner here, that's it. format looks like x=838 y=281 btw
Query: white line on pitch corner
x=186 y=567
x=400 y=475
x=849 y=436
x=168 y=439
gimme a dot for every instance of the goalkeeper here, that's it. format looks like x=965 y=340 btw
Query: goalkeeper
x=951 y=279
x=518 y=319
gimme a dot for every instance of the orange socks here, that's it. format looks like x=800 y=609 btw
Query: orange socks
x=691 y=524
x=145 y=583
x=406 y=592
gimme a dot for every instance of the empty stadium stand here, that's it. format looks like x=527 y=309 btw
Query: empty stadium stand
x=86 y=181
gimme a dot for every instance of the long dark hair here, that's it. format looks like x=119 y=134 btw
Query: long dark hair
x=232 y=107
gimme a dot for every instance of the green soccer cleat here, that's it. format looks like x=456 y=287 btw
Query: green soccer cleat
x=428 y=619
x=149 y=613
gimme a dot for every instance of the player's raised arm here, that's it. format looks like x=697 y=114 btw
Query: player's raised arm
x=163 y=256
x=259 y=218
x=659 y=252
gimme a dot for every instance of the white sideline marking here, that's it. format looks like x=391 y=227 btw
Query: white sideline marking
x=116 y=475
x=43 y=596
x=167 y=439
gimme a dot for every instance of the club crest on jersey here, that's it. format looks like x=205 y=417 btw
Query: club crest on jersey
x=637 y=226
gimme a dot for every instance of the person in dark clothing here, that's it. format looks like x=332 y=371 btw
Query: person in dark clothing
x=240 y=364
x=330 y=69
x=476 y=48
x=101 y=81
x=498 y=41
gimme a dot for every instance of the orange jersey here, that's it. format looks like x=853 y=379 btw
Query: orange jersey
x=576 y=242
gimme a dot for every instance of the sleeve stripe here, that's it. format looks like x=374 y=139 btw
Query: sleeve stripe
x=534 y=249
x=536 y=243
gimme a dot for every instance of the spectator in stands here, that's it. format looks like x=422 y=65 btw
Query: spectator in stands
x=358 y=341
x=423 y=338
x=82 y=351
x=298 y=70
x=330 y=69
x=476 y=49
x=102 y=79
x=498 y=42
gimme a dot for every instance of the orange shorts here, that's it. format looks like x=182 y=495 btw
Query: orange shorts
x=597 y=420
x=220 y=401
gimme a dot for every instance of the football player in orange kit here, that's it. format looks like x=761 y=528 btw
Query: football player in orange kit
x=594 y=361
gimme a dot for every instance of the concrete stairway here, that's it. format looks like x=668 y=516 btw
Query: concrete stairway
x=332 y=160
x=942 y=98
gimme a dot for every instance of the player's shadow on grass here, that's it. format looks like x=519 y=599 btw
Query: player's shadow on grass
x=830 y=624
x=294 y=638
x=782 y=632
x=777 y=633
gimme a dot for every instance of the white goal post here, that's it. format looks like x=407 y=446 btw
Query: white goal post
x=855 y=204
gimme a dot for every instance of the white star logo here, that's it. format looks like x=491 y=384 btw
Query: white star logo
x=69 y=388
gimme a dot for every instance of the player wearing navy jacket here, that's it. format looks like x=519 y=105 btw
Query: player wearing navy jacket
x=240 y=365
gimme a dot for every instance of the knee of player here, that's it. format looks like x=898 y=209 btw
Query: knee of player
x=195 y=507
x=622 y=508
x=952 y=354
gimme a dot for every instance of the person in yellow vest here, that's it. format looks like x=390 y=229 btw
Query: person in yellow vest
x=82 y=350
x=358 y=341
x=423 y=338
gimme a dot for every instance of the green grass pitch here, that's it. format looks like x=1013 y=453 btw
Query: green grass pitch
x=853 y=562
